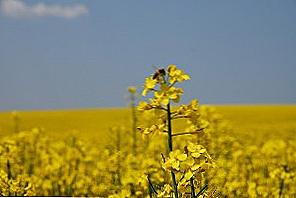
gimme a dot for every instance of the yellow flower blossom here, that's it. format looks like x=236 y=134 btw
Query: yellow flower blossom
x=132 y=90
x=188 y=175
x=166 y=191
x=144 y=106
x=168 y=93
x=150 y=83
x=176 y=75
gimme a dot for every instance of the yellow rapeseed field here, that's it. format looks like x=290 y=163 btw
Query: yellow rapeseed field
x=251 y=121
x=92 y=124
x=155 y=148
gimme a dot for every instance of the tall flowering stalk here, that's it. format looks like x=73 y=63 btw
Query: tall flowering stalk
x=16 y=121
x=162 y=86
x=133 y=91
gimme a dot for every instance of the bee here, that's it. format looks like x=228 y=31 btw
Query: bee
x=158 y=72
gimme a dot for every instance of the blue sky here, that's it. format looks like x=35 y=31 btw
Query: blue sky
x=75 y=54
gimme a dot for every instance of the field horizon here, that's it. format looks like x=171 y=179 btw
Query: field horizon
x=91 y=122
x=124 y=107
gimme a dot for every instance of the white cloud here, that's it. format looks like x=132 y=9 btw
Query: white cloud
x=19 y=9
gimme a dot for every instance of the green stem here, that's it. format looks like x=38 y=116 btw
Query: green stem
x=202 y=190
x=282 y=183
x=151 y=185
x=170 y=142
x=192 y=188
x=118 y=142
x=188 y=133
x=134 y=124
x=9 y=175
x=170 y=148
x=16 y=124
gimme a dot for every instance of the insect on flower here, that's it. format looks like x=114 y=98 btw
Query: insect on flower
x=158 y=72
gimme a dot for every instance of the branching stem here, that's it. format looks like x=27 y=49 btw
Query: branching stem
x=188 y=133
x=151 y=185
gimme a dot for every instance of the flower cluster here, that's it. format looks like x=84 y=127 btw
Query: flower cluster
x=189 y=164
x=161 y=83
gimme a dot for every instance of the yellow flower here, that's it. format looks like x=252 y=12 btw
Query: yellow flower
x=149 y=85
x=188 y=175
x=132 y=90
x=182 y=157
x=167 y=93
x=195 y=167
x=144 y=106
x=161 y=98
x=166 y=191
x=194 y=147
x=175 y=164
x=194 y=104
x=155 y=128
x=205 y=166
x=176 y=75
x=196 y=154
x=189 y=161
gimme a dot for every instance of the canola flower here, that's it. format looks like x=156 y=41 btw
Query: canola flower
x=163 y=86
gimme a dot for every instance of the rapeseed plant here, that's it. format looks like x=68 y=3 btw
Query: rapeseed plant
x=163 y=86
